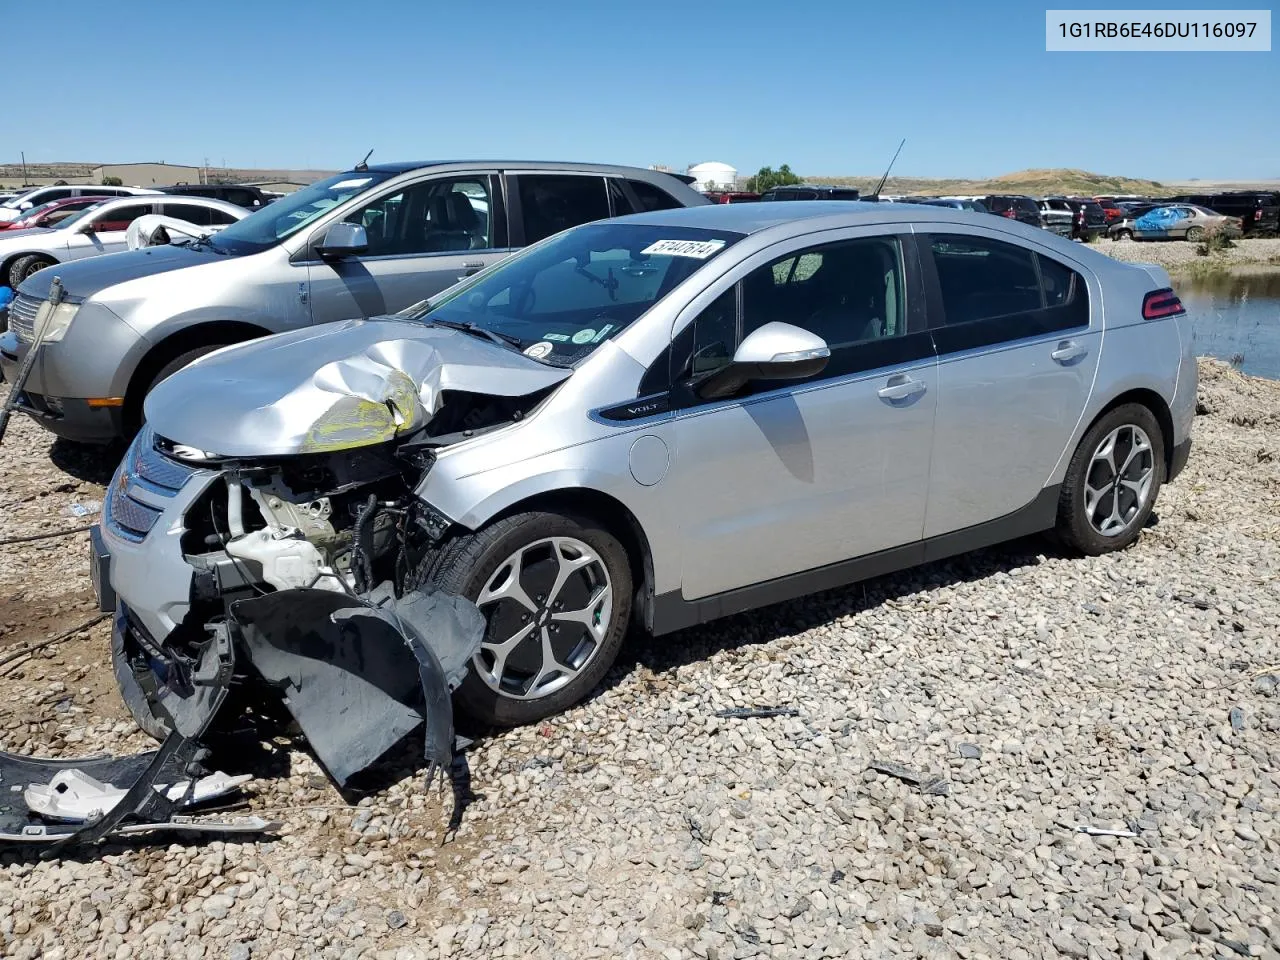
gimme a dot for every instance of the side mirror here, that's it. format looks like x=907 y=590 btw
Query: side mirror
x=343 y=240
x=86 y=228
x=775 y=351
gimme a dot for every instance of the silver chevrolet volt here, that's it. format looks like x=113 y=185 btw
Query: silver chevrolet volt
x=663 y=418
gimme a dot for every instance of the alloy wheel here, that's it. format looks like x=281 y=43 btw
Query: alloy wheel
x=548 y=607
x=1118 y=482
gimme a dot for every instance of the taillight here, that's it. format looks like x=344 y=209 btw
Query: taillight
x=1009 y=213
x=1257 y=214
x=1161 y=303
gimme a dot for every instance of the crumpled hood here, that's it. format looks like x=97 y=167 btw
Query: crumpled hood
x=333 y=387
x=84 y=278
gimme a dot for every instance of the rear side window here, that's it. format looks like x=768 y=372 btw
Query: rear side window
x=992 y=291
x=650 y=197
x=190 y=212
x=997 y=204
x=554 y=202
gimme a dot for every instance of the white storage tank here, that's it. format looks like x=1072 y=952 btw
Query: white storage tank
x=713 y=176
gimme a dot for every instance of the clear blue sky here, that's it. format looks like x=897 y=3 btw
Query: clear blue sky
x=828 y=87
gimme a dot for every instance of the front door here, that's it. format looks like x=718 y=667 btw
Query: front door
x=104 y=231
x=1017 y=350
x=423 y=238
x=795 y=476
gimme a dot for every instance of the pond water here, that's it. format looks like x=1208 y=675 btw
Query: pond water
x=1236 y=317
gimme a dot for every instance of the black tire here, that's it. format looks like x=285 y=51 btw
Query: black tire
x=133 y=411
x=135 y=699
x=180 y=361
x=470 y=563
x=24 y=267
x=1195 y=234
x=1074 y=526
x=1122 y=235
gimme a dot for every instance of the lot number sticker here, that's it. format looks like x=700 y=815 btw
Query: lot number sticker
x=698 y=249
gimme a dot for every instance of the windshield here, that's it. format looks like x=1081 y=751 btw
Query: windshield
x=34 y=212
x=266 y=227
x=559 y=300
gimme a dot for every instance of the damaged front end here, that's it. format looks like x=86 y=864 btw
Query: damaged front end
x=288 y=499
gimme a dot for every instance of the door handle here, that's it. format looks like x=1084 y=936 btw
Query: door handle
x=901 y=387
x=469 y=269
x=1068 y=351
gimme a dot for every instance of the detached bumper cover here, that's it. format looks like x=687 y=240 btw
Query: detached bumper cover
x=359 y=678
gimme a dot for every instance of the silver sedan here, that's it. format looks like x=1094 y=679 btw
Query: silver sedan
x=668 y=417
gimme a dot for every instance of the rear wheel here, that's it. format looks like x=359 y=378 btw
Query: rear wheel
x=26 y=266
x=556 y=594
x=1112 y=481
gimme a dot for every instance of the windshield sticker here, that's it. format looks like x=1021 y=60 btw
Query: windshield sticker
x=557 y=337
x=349 y=184
x=604 y=332
x=538 y=350
x=584 y=336
x=698 y=249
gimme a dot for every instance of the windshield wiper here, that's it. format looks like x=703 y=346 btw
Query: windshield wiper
x=501 y=339
x=203 y=241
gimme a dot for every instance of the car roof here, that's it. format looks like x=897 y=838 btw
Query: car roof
x=750 y=218
x=601 y=168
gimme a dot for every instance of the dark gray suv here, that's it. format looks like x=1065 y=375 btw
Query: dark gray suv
x=366 y=242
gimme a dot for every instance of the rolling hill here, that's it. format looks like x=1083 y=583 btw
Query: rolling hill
x=1033 y=182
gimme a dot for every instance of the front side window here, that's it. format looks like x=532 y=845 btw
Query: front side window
x=554 y=202
x=438 y=216
x=847 y=292
x=851 y=293
x=560 y=300
x=993 y=291
x=119 y=218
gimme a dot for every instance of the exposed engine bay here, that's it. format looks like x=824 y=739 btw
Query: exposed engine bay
x=316 y=569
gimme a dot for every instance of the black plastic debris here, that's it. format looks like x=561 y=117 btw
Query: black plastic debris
x=923 y=782
x=143 y=810
x=747 y=713
x=359 y=678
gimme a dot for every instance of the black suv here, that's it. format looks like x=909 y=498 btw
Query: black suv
x=810 y=191
x=1015 y=207
x=1089 y=218
x=1258 y=210
x=242 y=195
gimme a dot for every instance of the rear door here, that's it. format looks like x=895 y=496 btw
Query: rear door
x=1017 y=350
x=793 y=476
x=423 y=238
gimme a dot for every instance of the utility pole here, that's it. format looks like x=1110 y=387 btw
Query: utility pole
x=24 y=168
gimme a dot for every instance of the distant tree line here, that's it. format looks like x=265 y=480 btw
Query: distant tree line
x=768 y=177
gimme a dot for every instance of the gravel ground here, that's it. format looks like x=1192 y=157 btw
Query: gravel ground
x=1044 y=692
x=1174 y=254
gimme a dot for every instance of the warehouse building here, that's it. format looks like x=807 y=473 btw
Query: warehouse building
x=147 y=174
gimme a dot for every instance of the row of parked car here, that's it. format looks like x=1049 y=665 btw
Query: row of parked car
x=1183 y=217
x=569 y=420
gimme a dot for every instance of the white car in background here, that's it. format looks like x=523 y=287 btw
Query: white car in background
x=101 y=229
x=19 y=204
x=155 y=230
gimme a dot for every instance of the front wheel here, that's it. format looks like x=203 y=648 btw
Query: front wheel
x=555 y=591
x=26 y=266
x=1122 y=235
x=1195 y=234
x=1112 y=481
